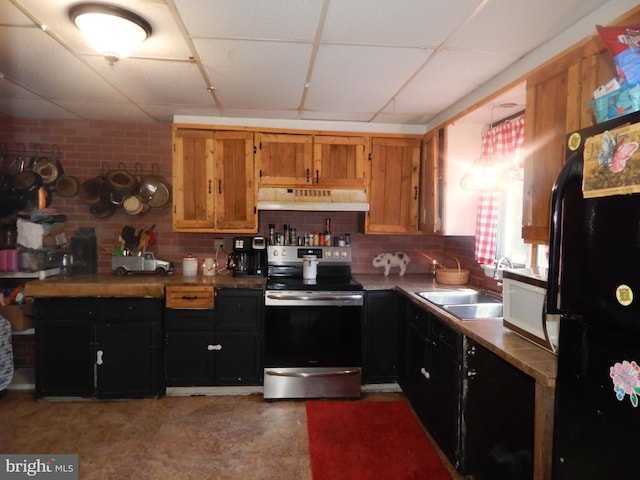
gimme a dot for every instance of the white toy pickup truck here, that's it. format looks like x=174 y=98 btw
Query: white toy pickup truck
x=145 y=263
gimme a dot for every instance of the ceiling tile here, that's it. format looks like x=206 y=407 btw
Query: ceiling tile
x=34 y=108
x=435 y=88
x=295 y=20
x=149 y=81
x=49 y=70
x=416 y=23
x=360 y=79
x=260 y=75
x=520 y=26
x=117 y=112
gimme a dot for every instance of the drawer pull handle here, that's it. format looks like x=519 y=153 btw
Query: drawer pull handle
x=187 y=297
x=214 y=347
x=424 y=373
x=99 y=355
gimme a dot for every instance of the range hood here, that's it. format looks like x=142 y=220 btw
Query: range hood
x=310 y=199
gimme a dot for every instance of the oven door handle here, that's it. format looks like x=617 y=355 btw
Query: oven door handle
x=333 y=373
x=276 y=296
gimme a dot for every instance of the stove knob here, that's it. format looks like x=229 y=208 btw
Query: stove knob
x=328 y=254
x=284 y=252
x=344 y=253
x=275 y=252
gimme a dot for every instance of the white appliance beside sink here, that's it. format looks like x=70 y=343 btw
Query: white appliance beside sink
x=523 y=294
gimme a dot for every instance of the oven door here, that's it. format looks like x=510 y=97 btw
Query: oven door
x=313 y=336
x=312 y=351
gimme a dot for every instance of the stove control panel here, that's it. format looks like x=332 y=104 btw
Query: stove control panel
x=280 y=255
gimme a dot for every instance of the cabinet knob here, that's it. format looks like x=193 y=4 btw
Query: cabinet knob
x=214 y=347
x=99 y=355
x=424 y=373
x=472 y=373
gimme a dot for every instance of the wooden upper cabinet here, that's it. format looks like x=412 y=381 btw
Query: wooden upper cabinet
x=193 y=166
x=284 y=160
x=341 y=161
x=214 y=182
x=394 y=189
x=558 y=96
x=235 y=191
x=431 y=184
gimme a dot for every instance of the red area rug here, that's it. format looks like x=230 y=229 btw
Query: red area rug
x=366 y=440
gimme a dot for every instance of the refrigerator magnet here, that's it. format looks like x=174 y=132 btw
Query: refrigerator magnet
x=624 y=295
x=626 y=380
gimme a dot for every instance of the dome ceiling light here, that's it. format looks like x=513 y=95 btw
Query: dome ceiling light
x=112 y=31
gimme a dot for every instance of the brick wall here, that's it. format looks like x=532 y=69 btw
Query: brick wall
x=88 y=147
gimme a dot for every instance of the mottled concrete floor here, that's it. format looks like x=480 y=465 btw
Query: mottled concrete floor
x=200 y=437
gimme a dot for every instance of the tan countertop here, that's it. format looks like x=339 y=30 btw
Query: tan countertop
x=141 y=285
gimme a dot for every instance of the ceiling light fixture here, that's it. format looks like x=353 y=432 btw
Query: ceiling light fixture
x=112 y=31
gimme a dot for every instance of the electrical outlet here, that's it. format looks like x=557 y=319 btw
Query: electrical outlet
x=218 y=243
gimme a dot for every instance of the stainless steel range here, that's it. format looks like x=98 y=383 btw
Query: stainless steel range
x=313 y=324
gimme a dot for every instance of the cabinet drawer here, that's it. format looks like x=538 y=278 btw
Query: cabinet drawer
x=126 y=309
x=446 y=338
x=189 y=297
x=188 y=319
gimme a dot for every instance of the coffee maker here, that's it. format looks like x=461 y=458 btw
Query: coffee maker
x=249 y=257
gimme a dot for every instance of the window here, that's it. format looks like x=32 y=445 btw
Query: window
x=501 y=171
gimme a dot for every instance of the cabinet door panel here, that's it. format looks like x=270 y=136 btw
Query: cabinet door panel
x=64 y=357
x=239 y=309
x=239 y=362
x=284 y=160
x=189 y=359
x=340 y=161
x=395 y=166
x=444 y=406
x=127 y=357
x=193 y=176
x=235 y=198
x=382 y=311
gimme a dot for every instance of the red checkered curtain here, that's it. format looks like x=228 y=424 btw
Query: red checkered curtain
x=500 y=145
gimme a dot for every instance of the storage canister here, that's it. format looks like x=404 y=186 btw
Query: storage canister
x=189 y=266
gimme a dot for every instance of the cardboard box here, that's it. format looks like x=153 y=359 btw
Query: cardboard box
x=20 y=316
x=617 y=103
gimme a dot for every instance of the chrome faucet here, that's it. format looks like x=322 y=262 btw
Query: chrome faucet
x=505 y=260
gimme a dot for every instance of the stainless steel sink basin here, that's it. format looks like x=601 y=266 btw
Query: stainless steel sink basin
x=475 y=311
x=458 y=297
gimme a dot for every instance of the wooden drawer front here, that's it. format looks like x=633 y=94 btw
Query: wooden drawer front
x=189 y=297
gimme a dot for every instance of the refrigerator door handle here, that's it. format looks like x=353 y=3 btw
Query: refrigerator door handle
x=570 y=172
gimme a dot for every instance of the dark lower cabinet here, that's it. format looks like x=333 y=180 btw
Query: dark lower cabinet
x=240 y=329
x=381 y=330
x=219 y=346
x=65 y=352
x=104 y=347
x=476 y=406
x=497 y=418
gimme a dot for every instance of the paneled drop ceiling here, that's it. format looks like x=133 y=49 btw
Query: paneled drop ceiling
x=382 y=61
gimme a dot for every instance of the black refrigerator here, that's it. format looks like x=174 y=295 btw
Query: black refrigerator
x=594 y=285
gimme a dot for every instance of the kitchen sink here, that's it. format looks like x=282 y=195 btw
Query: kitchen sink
x=475 y=311
x=459 y=297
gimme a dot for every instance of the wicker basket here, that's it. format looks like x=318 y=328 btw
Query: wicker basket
x=450 y=276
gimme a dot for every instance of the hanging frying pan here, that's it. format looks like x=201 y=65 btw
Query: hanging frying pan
x=49 y=168
x=89 y=191
x=67 y=186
